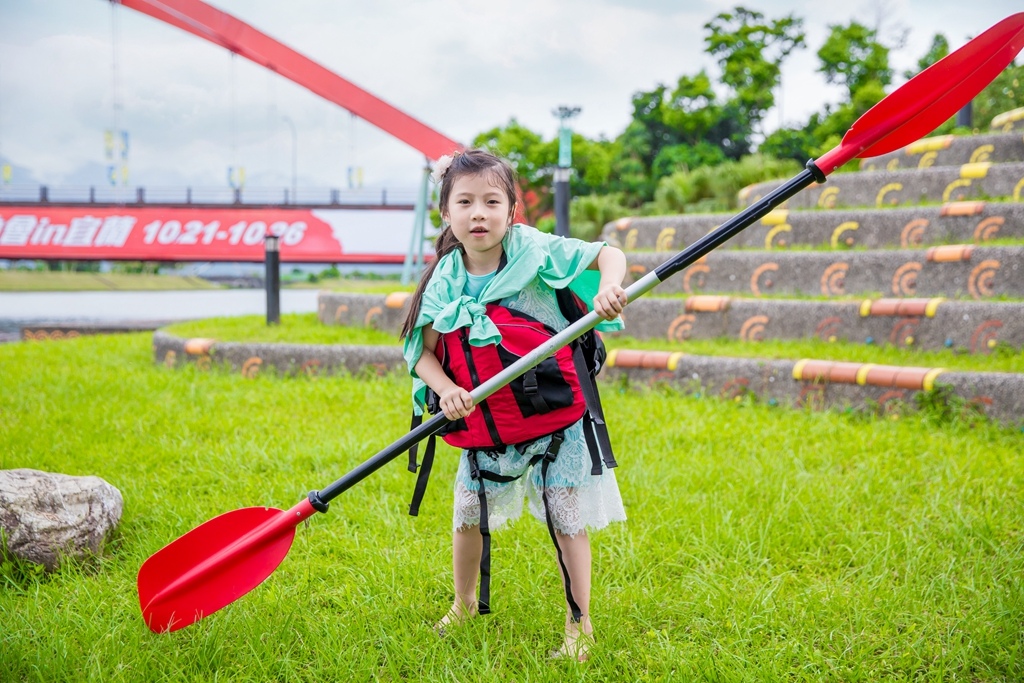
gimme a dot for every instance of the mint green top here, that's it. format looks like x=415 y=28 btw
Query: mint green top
x=559 y=262
x=475 y=283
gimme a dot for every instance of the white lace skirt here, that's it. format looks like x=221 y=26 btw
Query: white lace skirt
x=578 y=499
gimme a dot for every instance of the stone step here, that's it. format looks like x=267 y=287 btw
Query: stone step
x=951 y=271
x=1009 y=120
x=817 y=384
x=974 y=327
x=965 y=326
x=907 y=227
x=804 y=383
x=950 y=150
x=882 y=189
x=252 y=359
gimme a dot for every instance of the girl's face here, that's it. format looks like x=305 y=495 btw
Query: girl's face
x=479 y=213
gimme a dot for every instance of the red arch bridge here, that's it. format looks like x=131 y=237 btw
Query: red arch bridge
x=326 y=234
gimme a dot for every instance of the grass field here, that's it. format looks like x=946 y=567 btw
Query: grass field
x=55 y=281
x=762 y=544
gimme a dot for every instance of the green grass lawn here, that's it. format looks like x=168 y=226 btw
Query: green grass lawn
x=304 y=328
x=294 y=328
x=763 y=544
x=55 y=281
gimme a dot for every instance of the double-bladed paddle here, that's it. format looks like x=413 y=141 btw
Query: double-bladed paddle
x=223 y=559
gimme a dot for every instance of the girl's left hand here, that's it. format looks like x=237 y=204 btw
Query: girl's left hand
x=610 y=301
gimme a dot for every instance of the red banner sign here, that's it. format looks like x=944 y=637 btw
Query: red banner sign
x=207 y=234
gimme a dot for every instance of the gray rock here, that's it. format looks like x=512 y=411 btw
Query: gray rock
x=46 y=517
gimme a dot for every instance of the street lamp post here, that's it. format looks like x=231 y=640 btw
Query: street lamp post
x=563 y=169
x=295 y=145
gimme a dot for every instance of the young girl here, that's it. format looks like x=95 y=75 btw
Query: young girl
x=483 y=258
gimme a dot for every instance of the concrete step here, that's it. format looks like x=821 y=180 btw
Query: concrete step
x=816 y=384
x=252 y=359
x=952 y=271
x=951 y=150
x=902 y=188
x=974 y=327
x=907 y=227
x=965 y=326
x=1009 y=120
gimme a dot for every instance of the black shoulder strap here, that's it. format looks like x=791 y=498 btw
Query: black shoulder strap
x=594 y=427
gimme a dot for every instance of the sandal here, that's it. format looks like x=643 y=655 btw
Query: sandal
x=576 y=646
x=454 y=617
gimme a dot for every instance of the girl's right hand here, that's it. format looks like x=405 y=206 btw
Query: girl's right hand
x=456 y=403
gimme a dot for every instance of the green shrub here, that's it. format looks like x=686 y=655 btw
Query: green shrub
x=715 y=188
x=588 y=215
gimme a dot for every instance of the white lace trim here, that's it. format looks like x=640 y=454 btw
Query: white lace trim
x=573 y=509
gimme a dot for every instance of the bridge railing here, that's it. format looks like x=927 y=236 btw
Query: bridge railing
x=204 y=196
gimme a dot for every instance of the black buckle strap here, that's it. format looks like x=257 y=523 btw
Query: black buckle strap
x=549 y=457
x=480 y=476
x=594 y=427
x=531 y=390
x=484 y=601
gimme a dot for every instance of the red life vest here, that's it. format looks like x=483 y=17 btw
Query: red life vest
x=542 y=401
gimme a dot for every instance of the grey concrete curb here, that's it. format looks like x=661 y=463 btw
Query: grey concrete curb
x=895 y=188
x=907 y=227
x=70 y=330
x=951 y=271
x=951 y=150
x=1009 y=121
x=282 y=359
x=1000 y=396
x=379 y=311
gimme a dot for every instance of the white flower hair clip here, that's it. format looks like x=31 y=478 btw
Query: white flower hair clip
x=441 y=167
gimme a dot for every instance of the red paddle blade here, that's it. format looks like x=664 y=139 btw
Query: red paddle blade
x=215 y=564
x=918 y=106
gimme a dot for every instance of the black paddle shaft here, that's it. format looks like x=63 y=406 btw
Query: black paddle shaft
x=740 y=221
x=687 y=256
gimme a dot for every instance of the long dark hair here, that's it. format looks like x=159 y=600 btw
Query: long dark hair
x=470 y=162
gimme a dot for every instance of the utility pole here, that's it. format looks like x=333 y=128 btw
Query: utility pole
x=563 y=169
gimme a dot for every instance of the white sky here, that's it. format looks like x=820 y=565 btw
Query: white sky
x=461 y=67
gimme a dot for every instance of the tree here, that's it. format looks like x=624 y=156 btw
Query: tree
x=695 y=124
x=1004 y=93
x=852 y=56
x=531 y=156
x=789 y=143
x=750 y=52
x=938 y=49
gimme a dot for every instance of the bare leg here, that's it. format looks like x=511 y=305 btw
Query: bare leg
x=577 y=558
x=467 y=546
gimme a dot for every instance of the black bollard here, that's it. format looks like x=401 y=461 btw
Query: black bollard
x=964 y=117
x=273 y=278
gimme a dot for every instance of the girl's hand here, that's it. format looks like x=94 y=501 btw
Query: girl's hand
x=610 y=301
x=456 y=403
